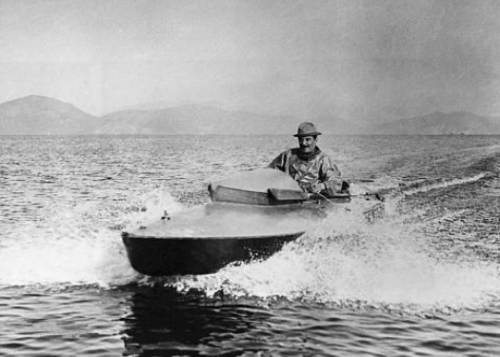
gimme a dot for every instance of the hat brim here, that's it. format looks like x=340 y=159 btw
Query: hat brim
x=314 y=133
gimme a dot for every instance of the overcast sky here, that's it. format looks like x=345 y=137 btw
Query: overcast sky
x=359 y=60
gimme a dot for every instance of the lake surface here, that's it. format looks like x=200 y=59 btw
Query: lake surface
x=423 y=280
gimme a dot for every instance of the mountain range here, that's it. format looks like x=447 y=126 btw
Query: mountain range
x=39 y=115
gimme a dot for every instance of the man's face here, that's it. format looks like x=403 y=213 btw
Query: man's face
x=307 y=144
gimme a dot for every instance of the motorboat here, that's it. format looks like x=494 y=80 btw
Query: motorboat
x=250 y=216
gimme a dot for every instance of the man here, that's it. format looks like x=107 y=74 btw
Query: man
x=308 y=165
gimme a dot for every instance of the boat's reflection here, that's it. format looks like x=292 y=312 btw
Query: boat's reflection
x=163 y=322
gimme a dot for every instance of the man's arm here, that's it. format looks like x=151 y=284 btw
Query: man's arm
x=279 y=162
x=330 y=176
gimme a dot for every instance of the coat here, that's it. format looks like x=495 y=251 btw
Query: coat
x=307 y=171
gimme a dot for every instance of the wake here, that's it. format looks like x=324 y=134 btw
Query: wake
x=348 y=264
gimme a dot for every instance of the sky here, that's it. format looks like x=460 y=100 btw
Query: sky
x=360 y=60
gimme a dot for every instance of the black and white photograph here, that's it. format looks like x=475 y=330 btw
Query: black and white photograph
x=250 y=178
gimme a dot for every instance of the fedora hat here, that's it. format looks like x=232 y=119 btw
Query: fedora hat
x=306 y=129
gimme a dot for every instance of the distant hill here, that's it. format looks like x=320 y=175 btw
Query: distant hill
x=216 y=119
x=196 y=119
x=334 y=125
x=39 y=115
x=441 y=124
x=191 y=119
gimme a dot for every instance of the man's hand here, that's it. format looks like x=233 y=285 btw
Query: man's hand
x=316 y=187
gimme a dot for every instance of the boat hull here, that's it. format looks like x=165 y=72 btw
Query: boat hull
x=186 y=256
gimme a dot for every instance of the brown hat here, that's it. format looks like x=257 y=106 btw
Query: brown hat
x=306 y=129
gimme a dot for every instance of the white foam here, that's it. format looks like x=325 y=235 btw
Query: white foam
x=378 y=265
x=79 y=244
x=339 y=260
x=443 y=184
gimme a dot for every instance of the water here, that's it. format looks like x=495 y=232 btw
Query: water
x=421 y=281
